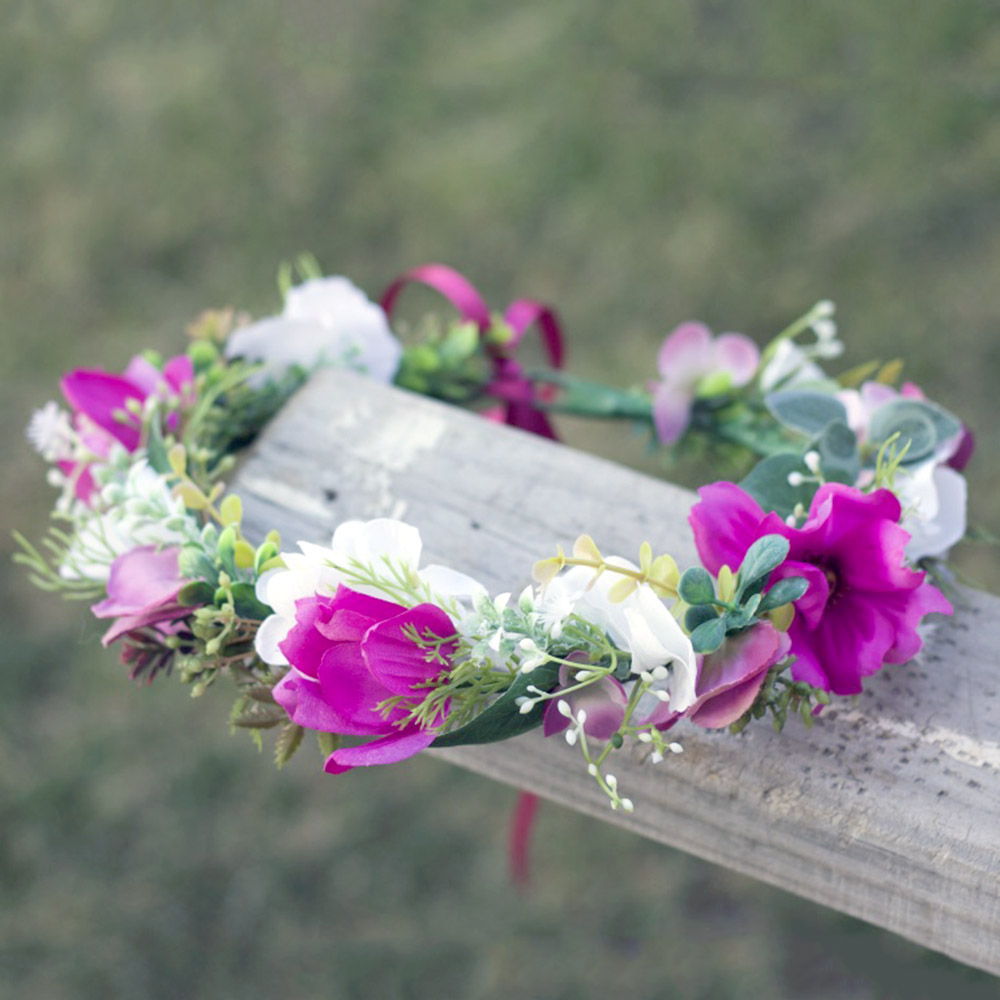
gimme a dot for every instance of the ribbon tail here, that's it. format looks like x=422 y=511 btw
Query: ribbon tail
x=519 y=845
x=455 y=287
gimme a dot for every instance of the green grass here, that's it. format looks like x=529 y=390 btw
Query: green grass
x=636 y=164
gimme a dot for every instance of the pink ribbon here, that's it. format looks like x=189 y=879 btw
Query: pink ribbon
x=509 y=382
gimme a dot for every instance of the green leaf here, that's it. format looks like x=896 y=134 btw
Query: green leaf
x=246 y=604
x=696 y=586
x=767 y=482
x=923 y=423
x=807 y=412
x=698 y=616
x=227 y=549
x=289 y=740
x=156 y=450
x=503 y=718
x=784 y=592
x=709 y=636
x=838 y=453
x=194 y=593
x=765 y=555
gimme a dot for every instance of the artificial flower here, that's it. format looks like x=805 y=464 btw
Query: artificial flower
x=692 y=363
x=325 y=321
x=349 y=654
x=863 y=603
x=320 y=570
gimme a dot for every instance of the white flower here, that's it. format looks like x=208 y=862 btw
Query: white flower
x=641 y=625
x=789 y=366
x=51 y=433
x=326 y=321
x=384 y=545
x=934 y=499
x=140 y=509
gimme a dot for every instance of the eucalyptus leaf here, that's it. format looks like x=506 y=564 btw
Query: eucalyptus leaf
x=698 y=615
x=807 y=412
x=504 y=718
x=709 y=636
x=767 y=482
x=765 y=555
x=926 y=425
x=194 y=593
x=838 y=454
x=156 y=450
x=784 y=592
x=696 y=586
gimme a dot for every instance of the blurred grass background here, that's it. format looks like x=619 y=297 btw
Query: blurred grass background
x=636 y=164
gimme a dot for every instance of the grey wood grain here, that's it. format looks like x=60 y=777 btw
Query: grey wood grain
x=886 y=809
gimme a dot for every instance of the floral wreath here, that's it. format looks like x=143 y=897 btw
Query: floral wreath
x=816 y=566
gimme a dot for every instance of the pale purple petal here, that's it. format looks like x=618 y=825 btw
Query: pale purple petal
x=671 y=411
x=738 y=355
x=140 y=580
x=143 y=374
x=686 y=354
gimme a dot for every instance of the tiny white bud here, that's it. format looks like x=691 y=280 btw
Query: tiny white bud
x=562 y=707
x=526 y=707
x=611 y=781
x=571 y=737
x=646 y=677
x=528 y=645
x=656 y=756
x=663 y=696
x=660 y=673
x=592 y=770
x=520 y=700
x=795 y=478
x=811 y=458
x=627 y=805
x=825 y=328
x=675 y=748
x=791 y=521
x=645 y=738
x=581 y=717
x=824 y=308
x=829 y=349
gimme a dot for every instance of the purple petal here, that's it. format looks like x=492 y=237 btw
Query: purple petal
x=131 y=623
x=140 y=580
x=738 y=355
x=396 y=661
x=725 y=523
x=388 y=750
x=305 y=646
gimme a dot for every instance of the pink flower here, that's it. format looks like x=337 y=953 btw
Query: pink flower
x=692 y=363
x=99 y=399
x=349 y=653
x=863 y=604
x=142 y=591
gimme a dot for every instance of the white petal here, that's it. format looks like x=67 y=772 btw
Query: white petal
x=273 y=629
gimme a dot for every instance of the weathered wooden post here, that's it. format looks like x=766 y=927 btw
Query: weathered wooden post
x=888 y=810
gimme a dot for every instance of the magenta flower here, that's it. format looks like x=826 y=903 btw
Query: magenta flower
x=692 y=363
x=863 y=604
x=100 y=399
x=142 y=591
x=350 y=653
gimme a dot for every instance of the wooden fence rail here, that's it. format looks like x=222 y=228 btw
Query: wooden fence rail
x=887 y=809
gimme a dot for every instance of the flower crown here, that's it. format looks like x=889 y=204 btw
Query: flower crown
x=815 y=567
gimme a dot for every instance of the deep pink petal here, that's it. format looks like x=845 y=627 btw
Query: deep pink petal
x=351 y=691
x=725 y=523
x=140 y=580
x=738 y=355
x=388 y=750
x=812 y=603
x=303 y=700
x=906 y=613
x=179 y=374
x=304 y=646
x=396 y=661
x=99 y=396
